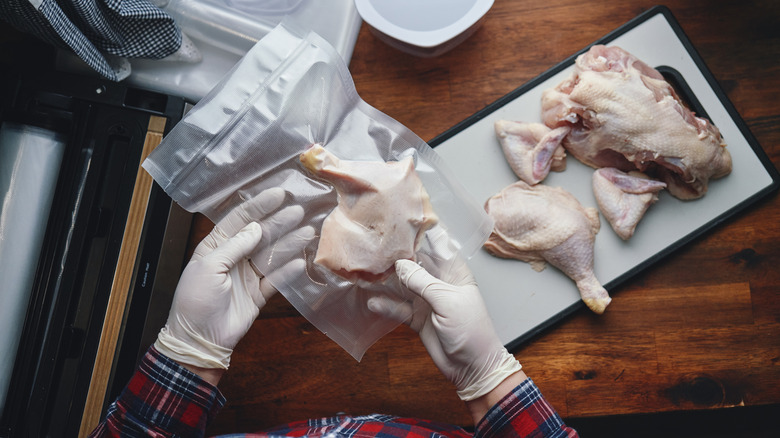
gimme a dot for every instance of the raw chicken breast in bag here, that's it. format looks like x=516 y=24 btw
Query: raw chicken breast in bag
x=287 y=115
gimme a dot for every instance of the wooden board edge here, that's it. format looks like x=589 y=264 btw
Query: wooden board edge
x=120 y=287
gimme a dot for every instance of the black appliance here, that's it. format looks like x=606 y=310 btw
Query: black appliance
x=113 y=248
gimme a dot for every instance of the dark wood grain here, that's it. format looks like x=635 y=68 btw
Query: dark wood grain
x=698 y=330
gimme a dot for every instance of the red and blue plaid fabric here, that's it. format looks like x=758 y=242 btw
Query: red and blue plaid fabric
x=165 y=399
x=374 y=425
x=525 y=413
x=162 y=399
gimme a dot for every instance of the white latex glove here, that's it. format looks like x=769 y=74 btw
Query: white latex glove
x=454 y=326
x=457 y=330
x=220 y=294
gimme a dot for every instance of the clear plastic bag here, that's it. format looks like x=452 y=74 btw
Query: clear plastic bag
x=290 y=91
x=224 y=30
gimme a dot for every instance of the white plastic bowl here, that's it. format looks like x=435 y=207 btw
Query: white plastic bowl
x=424 y=28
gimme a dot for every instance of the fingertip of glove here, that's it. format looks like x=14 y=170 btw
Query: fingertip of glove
x=275 y=191
x=306 y=233
x=402 y=268
x=405 y=269
x=251 y=234
x=252 y=227
x=375 y=305
x=273 y=197
x=404 y=265
x=264 y=203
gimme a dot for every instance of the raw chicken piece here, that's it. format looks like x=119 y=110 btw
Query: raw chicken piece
x=382 y=214
x=624 y=114
x=532 y=149
x=624 y=197
x=538 y=224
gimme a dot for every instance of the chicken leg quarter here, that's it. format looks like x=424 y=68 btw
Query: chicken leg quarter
x=539 y=224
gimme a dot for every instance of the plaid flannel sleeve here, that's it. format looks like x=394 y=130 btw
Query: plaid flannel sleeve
x=523 y=413
x=162 y=399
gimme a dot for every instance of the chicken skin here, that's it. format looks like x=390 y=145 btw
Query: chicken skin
x=532 y=149
x=623 y=198
x=540 y=224
x=624 y=114
x=383 y=211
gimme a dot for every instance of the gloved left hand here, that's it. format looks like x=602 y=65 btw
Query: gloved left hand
x=220 y=293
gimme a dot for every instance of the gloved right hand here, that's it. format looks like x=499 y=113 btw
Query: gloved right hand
x=457 y=330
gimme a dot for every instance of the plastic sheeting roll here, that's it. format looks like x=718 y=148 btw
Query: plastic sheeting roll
x=224 y=30
x=30 y=160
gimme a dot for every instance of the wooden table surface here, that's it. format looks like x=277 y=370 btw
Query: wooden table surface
x=699 y=330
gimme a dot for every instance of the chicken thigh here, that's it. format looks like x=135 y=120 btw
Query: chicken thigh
x=623 y=114
x=624 y=198
x=532 y=149
x=540 y=224
x=382 y=214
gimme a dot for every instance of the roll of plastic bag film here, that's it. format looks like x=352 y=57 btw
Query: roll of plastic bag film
x=210 y=21
x=224 y=30
x=30 y=160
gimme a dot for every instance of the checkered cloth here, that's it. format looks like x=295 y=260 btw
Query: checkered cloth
x=96 y=29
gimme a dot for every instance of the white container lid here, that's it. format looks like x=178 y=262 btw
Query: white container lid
x=423 y=23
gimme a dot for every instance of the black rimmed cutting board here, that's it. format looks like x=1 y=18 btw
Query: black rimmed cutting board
x=523 y=302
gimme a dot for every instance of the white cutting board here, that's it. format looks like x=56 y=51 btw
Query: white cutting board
x=523 y=302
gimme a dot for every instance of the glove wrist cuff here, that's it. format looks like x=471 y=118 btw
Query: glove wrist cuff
x=499 y=366
x=183 y=352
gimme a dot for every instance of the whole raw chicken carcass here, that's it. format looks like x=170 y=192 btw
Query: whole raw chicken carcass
x=623 y=114
x=382 y=214
x=532 y=149
x=539 y=224
x=624 y=198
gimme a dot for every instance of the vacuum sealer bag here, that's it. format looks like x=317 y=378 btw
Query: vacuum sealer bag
x=290 y=91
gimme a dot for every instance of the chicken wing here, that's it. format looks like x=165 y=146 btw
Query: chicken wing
x=624 y=198
x=532 y=149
